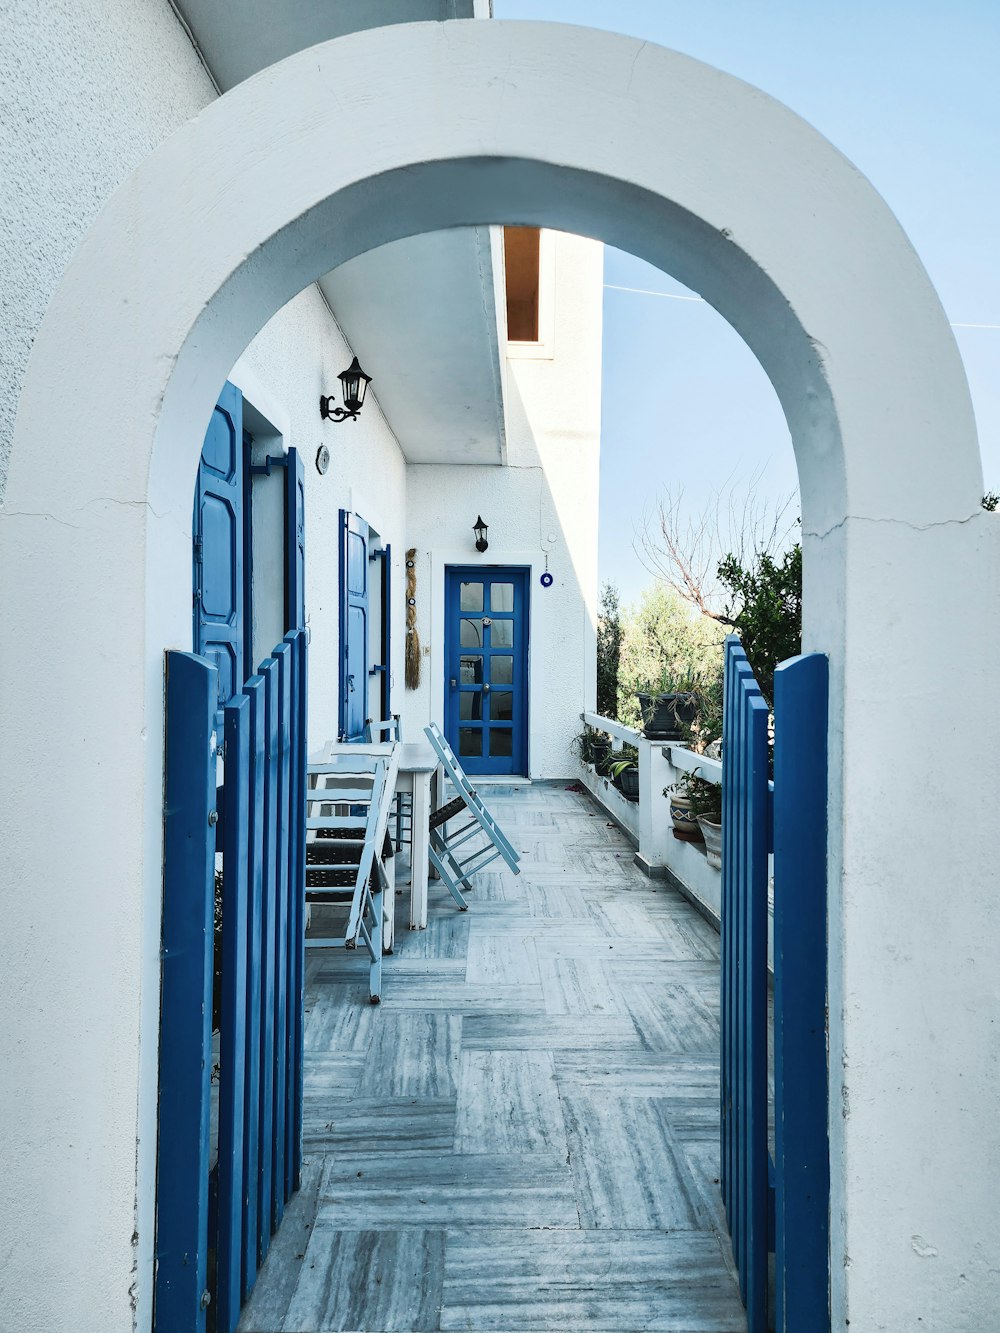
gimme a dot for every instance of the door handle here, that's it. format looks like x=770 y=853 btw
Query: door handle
x=486 y=689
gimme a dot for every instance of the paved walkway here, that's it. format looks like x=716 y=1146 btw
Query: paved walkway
x=523 y=1136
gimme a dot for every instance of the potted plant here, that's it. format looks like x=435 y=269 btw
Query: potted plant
x=682 y=812
x=593 y=748
x=706 y=803
x=625 y=775
x=669 y=705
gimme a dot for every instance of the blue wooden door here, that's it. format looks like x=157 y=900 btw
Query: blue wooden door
x=218 y=544
x=486 y=668
x=353 y=626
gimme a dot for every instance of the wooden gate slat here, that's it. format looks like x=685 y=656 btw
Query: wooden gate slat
x=282 y=655
x=298 y=898
x=254 y=691
x=232 y=1057
x=186 y=995
x=802 y=1153
x=265 y=1158
x=743 y=1101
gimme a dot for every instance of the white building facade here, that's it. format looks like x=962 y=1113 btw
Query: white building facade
x=459 y=422
x=129 y=311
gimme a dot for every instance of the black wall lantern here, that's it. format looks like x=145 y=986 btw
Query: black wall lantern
x=480 y=529
x=354 y=385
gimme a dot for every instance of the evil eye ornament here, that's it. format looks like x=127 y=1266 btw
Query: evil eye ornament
x=546 y=580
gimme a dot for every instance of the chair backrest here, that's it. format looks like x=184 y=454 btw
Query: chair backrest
x=469 y=795
x=347 y=776
x=389 y=729
x=450 y=761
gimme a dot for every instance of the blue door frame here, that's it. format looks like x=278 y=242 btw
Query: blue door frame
x=486 y=667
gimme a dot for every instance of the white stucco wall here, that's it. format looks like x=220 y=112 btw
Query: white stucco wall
x=544 y=501
x=82 y=102
x=696 y=172
x=297 y=356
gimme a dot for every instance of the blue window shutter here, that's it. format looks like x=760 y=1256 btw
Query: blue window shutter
x=218 y=544
x=387 y=632
x=353 y=626
x=295 y=539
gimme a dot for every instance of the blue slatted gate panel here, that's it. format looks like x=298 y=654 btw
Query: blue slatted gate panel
x=183 y=1145
x=801 y=1087
x=779 y=1204
x=228 y=1211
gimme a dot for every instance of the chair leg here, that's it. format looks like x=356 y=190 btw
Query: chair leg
x=375 y=946
x=449 y=883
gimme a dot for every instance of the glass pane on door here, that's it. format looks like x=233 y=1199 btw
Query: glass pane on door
x=501 y=597
x=470 y=706
x=501 y=742
x=470 y=597
x=471 y=670
x=501 y=670
x=502 y=706
x=502 y=634
x=471 y=633
x=470 y=742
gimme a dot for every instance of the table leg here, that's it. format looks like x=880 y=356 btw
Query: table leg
x=437 y=797
x=418 y=850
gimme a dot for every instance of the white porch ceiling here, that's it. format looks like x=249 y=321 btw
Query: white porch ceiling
x=420 y=314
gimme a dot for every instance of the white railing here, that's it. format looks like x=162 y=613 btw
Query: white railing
x=648 y=822
x=686 y=761
x=620 y=734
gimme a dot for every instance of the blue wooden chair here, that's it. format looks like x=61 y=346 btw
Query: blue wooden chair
x=446 y=839
x=348 y=853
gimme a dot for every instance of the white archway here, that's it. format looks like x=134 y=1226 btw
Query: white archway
x=337 y=150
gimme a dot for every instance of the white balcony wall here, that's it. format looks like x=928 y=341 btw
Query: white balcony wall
x=544 y=503
x=84 y=98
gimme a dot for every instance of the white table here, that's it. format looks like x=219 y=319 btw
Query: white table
x=420 y=777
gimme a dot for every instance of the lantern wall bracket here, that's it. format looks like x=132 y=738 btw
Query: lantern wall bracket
x=329 y=412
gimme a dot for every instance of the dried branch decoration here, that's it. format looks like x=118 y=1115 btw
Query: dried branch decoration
x=412 y=637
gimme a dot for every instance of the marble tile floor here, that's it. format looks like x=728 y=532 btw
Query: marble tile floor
x=523 y=1136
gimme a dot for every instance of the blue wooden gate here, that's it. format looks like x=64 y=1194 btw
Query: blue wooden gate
x=778 y=1203
x=226 y=1201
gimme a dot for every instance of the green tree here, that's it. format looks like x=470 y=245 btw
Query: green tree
x=663 y=639
x=765 y=609
x=609 y=645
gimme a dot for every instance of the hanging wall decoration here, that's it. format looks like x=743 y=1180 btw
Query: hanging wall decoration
x=412 y=637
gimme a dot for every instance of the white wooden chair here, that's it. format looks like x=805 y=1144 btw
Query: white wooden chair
x=446 y=839
x=391 y=729
x=348 y=855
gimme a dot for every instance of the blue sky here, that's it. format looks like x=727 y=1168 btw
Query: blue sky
x=907 y=89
